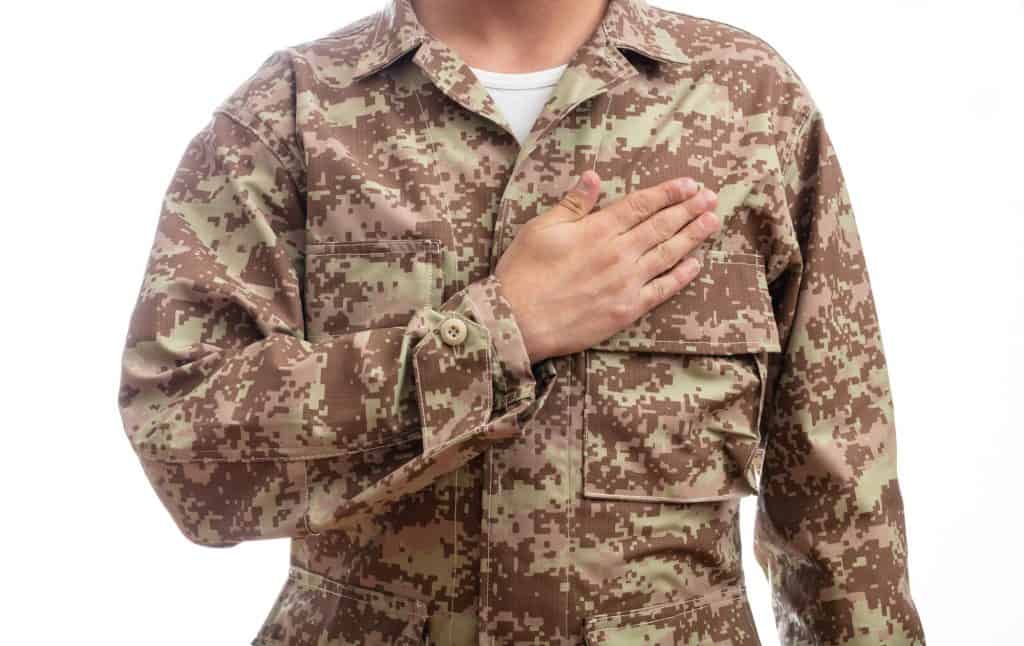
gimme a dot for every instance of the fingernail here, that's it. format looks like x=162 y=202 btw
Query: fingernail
x=687 y=184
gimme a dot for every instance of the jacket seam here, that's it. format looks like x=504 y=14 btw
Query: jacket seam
x=789 y=152
x=215 y=456
x=623 y=618
x=308 y=504
x=243 y=124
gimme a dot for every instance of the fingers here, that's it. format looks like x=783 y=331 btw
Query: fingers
x=661 y=288
x=667 y=222
x=637 y=206
x=664 y=255
x=580 y=199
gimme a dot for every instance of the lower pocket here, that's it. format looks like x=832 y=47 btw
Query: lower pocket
x=722 y=618
x=318 y=611
x=673 y=428
x=674 y=402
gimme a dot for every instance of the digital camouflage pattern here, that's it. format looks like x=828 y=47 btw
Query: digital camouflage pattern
x=285 y=373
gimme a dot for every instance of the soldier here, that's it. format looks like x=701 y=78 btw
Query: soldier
x=498 y=310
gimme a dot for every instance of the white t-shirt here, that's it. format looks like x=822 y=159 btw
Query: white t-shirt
x=520 y=97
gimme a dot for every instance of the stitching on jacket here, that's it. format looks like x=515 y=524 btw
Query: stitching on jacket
x=622 y=618
x=487 y=533
x=761 y=364
x=570 y=480
x=437 y=174
x=242 y=124
x=685 y=609
x=455 y=555
x=385 y=602
x=216 y=455
x=488 y=399
x=307 y=492
x=789 y=152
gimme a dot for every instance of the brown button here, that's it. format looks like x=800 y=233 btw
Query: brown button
x=453 y=331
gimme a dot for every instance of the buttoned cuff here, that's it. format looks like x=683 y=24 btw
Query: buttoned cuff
x=472 y=371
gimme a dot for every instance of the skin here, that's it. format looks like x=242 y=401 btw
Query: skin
x=511 y=36
x=575 y=276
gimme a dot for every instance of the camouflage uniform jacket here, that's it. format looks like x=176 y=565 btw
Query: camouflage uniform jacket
x=320 y=351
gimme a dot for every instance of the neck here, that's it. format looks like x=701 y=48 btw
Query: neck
x=514 y=37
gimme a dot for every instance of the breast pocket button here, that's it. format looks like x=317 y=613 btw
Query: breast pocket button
x=453 y=331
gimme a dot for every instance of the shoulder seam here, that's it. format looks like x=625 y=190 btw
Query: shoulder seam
x=798 y=134
x=260 y=138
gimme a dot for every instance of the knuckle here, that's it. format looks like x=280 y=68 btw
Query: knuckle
x=661 y=291
x=659 y=228
x=669 y=192
x=710 y=221
x=622 y=312
x=690 y=237
x=608 y=258
x=695 y=205
x=604 y=260
x=703 y=228
x=687 y=271
x=572 y=202
x=626 y=218
x=665 y=254
x=639 y=203
x=613 y=256
x=681 y=276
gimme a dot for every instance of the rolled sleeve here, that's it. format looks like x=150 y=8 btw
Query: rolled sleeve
x=481 y=383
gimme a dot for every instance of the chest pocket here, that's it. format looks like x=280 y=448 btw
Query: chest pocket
x=361 y=285
x=674 y=401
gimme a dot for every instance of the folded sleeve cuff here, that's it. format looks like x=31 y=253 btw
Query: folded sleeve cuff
x=473 y=374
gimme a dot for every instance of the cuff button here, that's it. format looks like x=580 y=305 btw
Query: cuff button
x=453 y=331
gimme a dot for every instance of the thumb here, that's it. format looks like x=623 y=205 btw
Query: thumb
x=581 y=198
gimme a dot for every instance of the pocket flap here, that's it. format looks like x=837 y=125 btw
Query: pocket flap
x=726 y=309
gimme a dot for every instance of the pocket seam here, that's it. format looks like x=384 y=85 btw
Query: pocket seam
x=382 y=245
x=624 y=619
x=760 y=358
x=409 y=608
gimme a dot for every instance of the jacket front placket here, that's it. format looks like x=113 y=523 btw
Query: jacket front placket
x=531 y=481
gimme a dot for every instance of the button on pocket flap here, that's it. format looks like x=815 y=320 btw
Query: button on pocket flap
x=359 y=285
x=726 y=309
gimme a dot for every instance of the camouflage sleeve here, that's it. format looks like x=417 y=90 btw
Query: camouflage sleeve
x=829 y=529
x=247 y=429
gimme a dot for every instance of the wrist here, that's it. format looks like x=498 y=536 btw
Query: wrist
x=533 y=340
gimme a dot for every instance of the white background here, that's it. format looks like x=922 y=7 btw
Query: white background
x=923 y=101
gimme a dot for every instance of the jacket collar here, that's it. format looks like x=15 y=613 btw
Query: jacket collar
x=627 y=24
